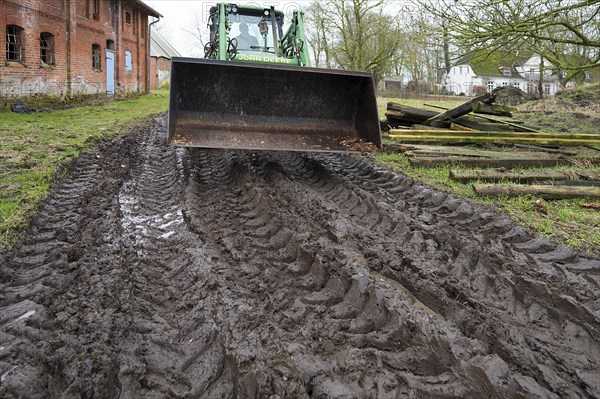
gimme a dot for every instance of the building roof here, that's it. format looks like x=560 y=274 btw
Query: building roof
x=149 y=10
x=160 y=47
x=493 y=64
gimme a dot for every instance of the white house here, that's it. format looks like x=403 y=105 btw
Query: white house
x=477 y=74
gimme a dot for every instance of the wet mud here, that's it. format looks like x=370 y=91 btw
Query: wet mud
x=154 y=271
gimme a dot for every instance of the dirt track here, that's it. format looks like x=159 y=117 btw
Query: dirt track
x=160 y=272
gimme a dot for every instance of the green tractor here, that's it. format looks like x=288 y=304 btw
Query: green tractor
x=255 y=89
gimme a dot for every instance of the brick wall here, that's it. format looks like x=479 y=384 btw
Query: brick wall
x=160 y=71
x=120 y=25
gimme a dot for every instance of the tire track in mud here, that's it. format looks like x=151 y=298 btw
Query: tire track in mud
x=496 y=269
x=164 y=272
x=43 y=280
x=174 y=349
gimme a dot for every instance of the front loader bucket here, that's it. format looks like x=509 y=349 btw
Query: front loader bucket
x=226 y=104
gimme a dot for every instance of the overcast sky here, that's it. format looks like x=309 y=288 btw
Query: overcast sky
x=179 y=18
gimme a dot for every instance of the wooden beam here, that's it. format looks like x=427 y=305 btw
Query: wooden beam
x=487 y=163
x=442 y=150
x=492 y=109
x=518 y=127
x=466 y=175
x=445 y=118
x=481 y=124
x=544 y=191
x=487 y=139
x=589 y=175
x=499 y=133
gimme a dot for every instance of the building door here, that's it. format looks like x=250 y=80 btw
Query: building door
x=110 y=72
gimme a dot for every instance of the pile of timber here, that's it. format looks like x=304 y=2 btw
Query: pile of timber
x=465 y=124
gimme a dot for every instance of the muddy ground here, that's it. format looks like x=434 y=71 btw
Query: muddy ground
x=159 y=272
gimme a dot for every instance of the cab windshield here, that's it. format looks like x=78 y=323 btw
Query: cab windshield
x=245 y=29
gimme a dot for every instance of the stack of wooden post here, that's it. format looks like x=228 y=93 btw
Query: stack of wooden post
x=458 y=125
x=415 y=130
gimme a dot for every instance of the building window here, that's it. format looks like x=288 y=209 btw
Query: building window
x=530 y=88
x=127 y=17
x=96 y=57
x=587 y=75
x=96 y=9
x=516 y=85
x=547 y=89
x=490 y=86
x=47 y=48
x=128 y=62
x=14 y=47
x=504 y=84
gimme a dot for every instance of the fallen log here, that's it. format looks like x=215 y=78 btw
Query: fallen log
x=492 y=109
x=544 y=191
x=467 y=175
x=444 y=119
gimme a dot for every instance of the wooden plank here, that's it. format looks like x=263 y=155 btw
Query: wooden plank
x=478 y=133
x=488 y=140
x=466 y=175
x=544 y=191
x=425 y=149
x=460 y=128
x=487 y=163
x=423 y=127
x=481 y=116
x=546 y=149
x=589 y=175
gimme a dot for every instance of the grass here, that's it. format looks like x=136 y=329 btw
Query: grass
x=35 y=147
x=564 y=220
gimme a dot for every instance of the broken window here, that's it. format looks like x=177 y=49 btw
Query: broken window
x=47 y=48
x=96 y=56
x=14 y=48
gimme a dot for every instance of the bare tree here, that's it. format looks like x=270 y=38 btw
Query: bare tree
x=354 y=35
x=554 y=29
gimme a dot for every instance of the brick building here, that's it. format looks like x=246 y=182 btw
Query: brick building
x=72 y=47
x=161 y=52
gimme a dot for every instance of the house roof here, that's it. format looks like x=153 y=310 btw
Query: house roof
x=160 y=47
x=149 y=10
x=493 y=64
